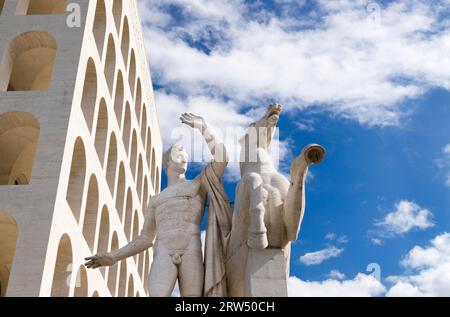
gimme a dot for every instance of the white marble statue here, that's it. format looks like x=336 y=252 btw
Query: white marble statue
x=172 y=225
x=268 y=207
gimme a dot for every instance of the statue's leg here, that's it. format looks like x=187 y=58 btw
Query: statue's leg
x=257 y=234
x=191 y=270
x=163 y=274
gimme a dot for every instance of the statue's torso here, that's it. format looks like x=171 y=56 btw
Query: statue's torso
x=273 y=193
x=178 y=214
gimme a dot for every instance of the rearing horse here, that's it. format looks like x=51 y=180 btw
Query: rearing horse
x=268 y=207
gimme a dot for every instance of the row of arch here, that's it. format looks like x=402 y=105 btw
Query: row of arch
x=38 y=7
x=119 y=186
x=120 y=280
x=134 y=82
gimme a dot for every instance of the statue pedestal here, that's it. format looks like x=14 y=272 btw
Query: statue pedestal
x=265 y=274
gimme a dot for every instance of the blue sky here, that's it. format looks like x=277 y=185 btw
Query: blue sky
x=367 y=80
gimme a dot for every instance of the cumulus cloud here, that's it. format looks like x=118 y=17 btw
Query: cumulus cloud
x=361 y=286
x=407 y=216
x=428 y=270
x=335 y=58
x=317 y=257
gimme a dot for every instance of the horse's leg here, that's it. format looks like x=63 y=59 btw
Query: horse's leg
x=257 y=233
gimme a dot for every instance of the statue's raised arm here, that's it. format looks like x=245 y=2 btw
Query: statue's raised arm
x=216 y=147
x=294 y=205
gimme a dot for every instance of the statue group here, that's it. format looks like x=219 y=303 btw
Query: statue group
x=247 y=250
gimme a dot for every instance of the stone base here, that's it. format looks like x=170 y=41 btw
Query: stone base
x=265 y=274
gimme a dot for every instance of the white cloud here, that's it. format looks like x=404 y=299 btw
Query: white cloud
x=331 y=236
x=429 y=270
x=317 y=257
x=427 y=273
x=407 y=216
x=336 y=274
x=361 y=286
x=342 y=239
x=332 y=58
x=376 y=241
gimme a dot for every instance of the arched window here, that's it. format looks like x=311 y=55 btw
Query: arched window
x=132 y=72
x=63 y=268
x=139 y=178
x=103 y=235
x=138 y=101
x=112 y=163
x=144 y=124
x=145 y=197
x=126 y=130
x=89 y=96
x=102 y=131
x=8 y=240
x=133 y=154
x=128 y=215
x=100 y=26
x=76 y=178
x=130 y=287
x=28 y=62
x=19 y=135
x=135 y=230
x=149 y=148
x=117 y=13
x=112 y=275
x=153 y=169
x=41 y=7
x=122 y=279
x=90 y=215
x=120 y=190
x=118 y=99
x=81 y=283
x=110 y=63
x=125 y=46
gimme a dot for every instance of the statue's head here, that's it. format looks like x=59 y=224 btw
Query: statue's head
x=175 y=159
x=260 y=133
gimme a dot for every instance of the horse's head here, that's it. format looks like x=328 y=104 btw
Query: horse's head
x=260 y=133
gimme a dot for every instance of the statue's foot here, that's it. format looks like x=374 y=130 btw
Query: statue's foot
x=257 y=240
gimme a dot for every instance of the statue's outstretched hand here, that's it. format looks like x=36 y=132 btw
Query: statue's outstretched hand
x=311 y=154
x=99 y=260
x=193 y=121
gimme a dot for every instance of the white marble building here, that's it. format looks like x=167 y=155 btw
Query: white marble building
x=80 y=147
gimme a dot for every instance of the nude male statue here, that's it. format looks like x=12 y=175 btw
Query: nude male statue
x=173 y=219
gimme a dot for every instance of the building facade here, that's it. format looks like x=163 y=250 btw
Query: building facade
x=80 y=147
